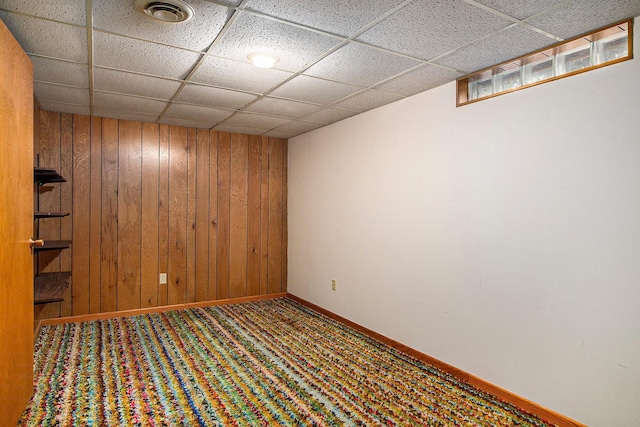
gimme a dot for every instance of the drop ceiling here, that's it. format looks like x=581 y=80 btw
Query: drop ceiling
x=338 y=58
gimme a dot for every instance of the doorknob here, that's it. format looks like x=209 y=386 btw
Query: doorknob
x=38 y=242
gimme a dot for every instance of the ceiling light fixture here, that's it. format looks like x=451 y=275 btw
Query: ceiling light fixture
x=263 y=60
x=171 y=11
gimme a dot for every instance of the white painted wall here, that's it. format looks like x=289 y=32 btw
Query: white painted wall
x=501 y=237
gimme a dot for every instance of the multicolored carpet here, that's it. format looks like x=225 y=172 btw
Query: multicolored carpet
x=264 y=363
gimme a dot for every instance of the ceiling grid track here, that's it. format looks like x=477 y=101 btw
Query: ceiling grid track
x=203 y=57
x=337 y=58
x=521 y=22
x=344 y=42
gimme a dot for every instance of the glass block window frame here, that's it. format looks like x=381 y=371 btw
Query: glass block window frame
x=587 y=52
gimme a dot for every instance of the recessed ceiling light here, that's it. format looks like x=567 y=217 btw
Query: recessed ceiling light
x=263 y=60
x=171 y=11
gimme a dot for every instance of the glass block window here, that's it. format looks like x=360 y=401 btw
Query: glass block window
x=584 y=53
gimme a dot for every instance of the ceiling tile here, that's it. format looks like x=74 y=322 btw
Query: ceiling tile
x=144 y=57
x=65 y=108
x=367 y=100
x=133 y=84
x=425 y=28
x=118 y=102
x=121 y=17
x=335 y=16
x=294 y=46
x=519 y=9
x=35 y=37
x=68 y=11
x=329 y=115
x=282 y=107
x=231 y=74
x=360 y=65
x=214 y=97
x=311 y=89
x=240 y=129
x=420 y=79
x=64 y=94
x=61 y=72
x=255 y=120
x=124 y=115
x=497 y=48
x=210 y=116
x=578 y=17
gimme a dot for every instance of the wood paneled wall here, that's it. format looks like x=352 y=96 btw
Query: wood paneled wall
x=208 y=208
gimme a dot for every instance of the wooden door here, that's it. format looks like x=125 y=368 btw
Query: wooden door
x=16 y=224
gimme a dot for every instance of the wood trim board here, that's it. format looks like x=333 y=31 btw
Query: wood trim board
x=161 y=309
x=503 y=394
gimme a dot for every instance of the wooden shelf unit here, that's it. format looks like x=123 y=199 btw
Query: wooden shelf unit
x=49 y=287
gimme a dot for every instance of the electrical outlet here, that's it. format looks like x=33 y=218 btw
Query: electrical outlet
x=163 y=278
x=333 y=285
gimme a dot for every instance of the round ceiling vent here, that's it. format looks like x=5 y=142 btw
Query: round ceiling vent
x=172 y=11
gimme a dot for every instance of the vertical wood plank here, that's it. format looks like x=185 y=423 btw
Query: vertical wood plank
x=275 y=216
x=36 y=130
x=81 y=213
x=95 y=238
x=129 y=214
x=66 y=205
x=213 y=215
x=163 y=213
x=202 y=217
x=254 y=247
x=238 y=216
x=285 y=228
x=36 y=153
x=192 y=151
x=49 y=194
x=150 y=215
x=177 y=286
x=264 y=215
x=224 y=177
x=109 y=254
x=49 y=200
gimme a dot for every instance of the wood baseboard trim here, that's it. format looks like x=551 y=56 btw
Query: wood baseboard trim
x=505 y=395
x=161 y=309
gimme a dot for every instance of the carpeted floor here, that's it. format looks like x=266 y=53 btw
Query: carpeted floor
x=267 y=363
